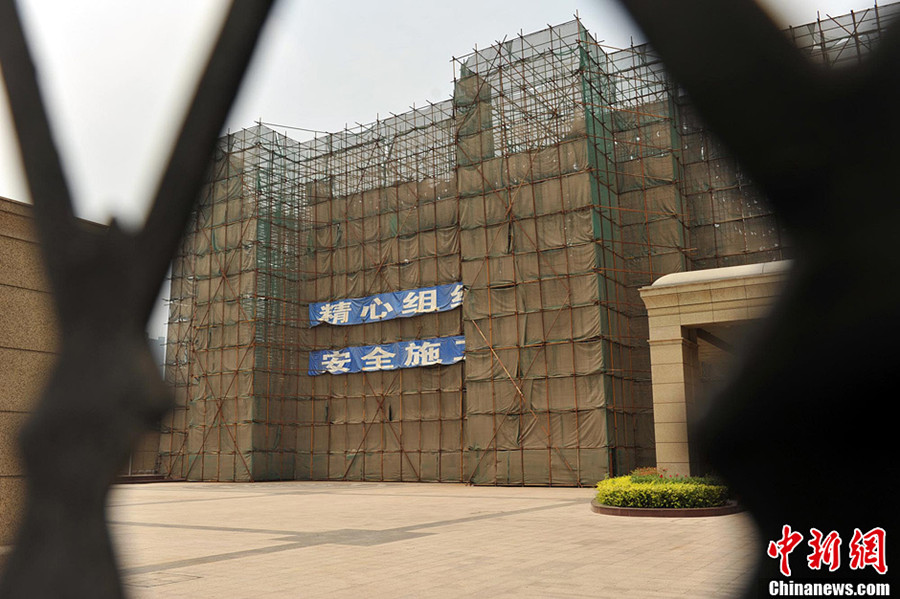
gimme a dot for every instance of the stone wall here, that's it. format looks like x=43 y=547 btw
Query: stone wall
x=27 y=344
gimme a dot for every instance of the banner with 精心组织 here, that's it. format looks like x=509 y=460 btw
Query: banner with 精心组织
x=387 y=306
x=391 y=356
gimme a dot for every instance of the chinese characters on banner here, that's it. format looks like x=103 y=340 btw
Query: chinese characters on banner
x=387 y=306
x=403 y=354
x=864 y=550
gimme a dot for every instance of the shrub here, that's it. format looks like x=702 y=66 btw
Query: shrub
x=661 y=491
x=645 y=471
x=665 y=479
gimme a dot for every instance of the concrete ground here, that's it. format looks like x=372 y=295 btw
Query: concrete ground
x=328 y=539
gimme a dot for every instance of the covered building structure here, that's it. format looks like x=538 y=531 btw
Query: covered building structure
x=561 y=178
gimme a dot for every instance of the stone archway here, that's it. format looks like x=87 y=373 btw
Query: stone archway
x=687 y=311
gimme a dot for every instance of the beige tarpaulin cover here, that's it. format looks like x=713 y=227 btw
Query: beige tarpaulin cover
x=558 y=180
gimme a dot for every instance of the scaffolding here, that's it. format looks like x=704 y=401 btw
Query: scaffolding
x=560 y=178
x=384 y=218
x=234 y=318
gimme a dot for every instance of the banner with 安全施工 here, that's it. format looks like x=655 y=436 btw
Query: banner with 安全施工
x=391 y=356
x=387 y=306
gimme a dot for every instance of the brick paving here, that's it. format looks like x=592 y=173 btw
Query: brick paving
x=331 y=539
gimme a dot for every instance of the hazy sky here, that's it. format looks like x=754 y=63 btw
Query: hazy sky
x=116 y=75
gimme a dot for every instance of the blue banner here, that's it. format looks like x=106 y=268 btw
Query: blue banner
x=403 y=354
x=387 y=306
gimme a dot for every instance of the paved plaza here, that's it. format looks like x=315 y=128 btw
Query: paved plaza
x=331 y=539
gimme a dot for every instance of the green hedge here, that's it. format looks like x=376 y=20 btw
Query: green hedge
x=659 y=492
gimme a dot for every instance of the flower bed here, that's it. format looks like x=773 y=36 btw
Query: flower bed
x=646 y=489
